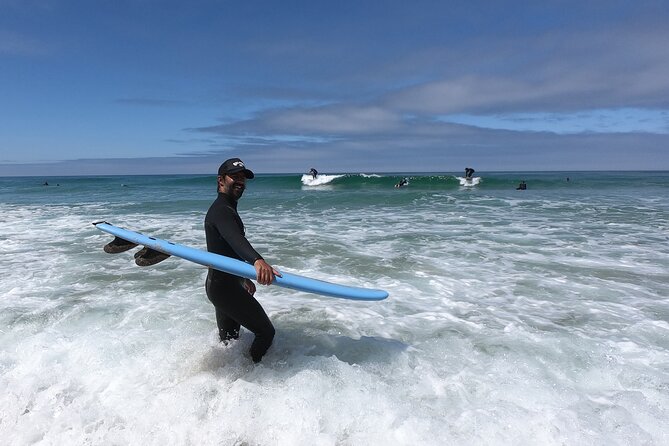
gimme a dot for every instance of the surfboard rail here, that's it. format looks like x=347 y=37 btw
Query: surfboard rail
x=240 y=268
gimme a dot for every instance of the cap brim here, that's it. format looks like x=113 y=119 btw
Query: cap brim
x=247 y=173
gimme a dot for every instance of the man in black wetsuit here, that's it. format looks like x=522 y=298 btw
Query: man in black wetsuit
x=231 y=295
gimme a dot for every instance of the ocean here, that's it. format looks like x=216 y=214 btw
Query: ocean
x=515 y=317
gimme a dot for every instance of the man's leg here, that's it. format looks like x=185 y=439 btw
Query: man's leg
x=234 y=307
x=228 y=328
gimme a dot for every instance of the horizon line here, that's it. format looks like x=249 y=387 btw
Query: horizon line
x=341 y=173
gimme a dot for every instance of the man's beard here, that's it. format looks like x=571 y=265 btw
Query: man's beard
x=237 y=190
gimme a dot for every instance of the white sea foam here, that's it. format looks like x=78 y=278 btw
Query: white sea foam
x=469 y=182
x=320 y=180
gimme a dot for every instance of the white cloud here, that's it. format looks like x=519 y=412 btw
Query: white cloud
x=335 y=119
x=556 y=72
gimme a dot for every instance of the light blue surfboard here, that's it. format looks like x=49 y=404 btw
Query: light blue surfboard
x=242 y=269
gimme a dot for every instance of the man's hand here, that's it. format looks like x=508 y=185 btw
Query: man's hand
x=249 y=286
x=265 y=272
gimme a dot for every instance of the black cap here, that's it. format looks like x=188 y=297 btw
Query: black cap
x=234 y=165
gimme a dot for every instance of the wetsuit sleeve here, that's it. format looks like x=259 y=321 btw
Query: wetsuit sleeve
x=239 y=244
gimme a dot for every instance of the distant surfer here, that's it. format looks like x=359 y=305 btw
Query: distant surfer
x=313 y=172
x=469 y=173
x=522 y=186
x=46 y=183
x=232 y=295
x=403 y=182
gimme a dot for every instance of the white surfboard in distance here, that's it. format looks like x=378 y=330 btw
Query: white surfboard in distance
x=321 y=179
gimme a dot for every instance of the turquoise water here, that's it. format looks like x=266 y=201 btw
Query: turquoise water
x=514 y=317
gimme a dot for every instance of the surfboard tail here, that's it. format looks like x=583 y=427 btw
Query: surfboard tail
x=144 y=257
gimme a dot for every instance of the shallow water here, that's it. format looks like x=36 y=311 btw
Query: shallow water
x=514 y=317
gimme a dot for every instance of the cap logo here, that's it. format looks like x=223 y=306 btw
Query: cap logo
x=238 y=164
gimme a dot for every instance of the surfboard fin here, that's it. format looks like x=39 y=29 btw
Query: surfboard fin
x=147 y=257
x=118 y=245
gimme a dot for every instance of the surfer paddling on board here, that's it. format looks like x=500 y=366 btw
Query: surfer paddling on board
x=232 y=295
x=313 y=172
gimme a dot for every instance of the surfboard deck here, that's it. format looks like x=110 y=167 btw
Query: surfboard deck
x=240 y=268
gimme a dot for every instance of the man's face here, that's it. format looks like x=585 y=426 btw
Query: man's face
x=234 y=184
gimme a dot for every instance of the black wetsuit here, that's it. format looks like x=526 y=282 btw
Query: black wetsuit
x=234 y=305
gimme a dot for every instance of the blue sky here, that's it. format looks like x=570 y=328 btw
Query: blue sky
x=144 y=86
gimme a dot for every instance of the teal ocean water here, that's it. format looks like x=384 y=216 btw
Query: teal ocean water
x=536 y=316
